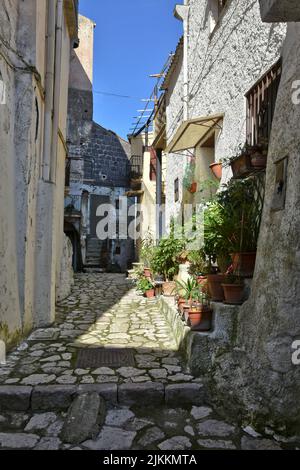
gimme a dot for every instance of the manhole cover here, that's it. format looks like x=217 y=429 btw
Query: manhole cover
x=101 y=357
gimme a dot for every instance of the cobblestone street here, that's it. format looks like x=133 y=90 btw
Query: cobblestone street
x=158 y=404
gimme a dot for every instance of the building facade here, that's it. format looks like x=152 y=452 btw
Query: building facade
x=235 y=77
x=97 y=170
x=36 y=39
x=225 y=50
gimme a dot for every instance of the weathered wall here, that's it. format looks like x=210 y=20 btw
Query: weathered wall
x=252 y=374
x=10 y=313
x=31 y=209
x=65 y=279
x=223 y=66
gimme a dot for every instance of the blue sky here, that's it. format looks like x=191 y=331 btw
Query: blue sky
x=132 y=40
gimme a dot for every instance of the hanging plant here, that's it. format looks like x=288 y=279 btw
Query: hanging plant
x=189 y=176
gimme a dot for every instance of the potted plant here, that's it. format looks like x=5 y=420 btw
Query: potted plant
x=146 y=253
x=165 y=260
x=200 y=312
x=216 y=169
x=189 y=182
x=241 y=163
x=186 y=289
x=233 y=289
x=146 y=287
x=240 y=206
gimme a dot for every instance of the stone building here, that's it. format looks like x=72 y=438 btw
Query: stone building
x=246 y=361
x=35 y=38
x=225 y=50
x=97 y=169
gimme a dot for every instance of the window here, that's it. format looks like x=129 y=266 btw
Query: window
x=215 y=9
x=176 y=190
x=261 y=100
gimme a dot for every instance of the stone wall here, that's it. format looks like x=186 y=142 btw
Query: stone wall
x=222 y=66
x=31 y=208
x=65 y=280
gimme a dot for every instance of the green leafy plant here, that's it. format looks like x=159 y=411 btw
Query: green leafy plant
x=166 y=255
x=198 y=263
x=189 y=174
x=147 y=250
x=187 y=289
x=144 y=284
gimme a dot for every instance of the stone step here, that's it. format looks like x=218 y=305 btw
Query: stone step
x=60 y=397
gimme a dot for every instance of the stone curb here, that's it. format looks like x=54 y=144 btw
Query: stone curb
x=59 y=397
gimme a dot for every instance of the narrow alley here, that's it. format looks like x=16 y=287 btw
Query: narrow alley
x=104 y=311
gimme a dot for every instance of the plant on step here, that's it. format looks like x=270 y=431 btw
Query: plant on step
x=198 y=263
x=187 y=289
x=144 y=285
x=165 y=258
x=147 y=250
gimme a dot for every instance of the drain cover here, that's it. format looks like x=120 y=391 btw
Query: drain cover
x=102 y=357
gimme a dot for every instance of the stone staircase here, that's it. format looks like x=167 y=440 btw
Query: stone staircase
x=96 y=255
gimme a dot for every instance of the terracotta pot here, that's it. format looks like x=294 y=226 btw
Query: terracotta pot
x=234 y=293
x=150 y=293
x=216 y=169
x=147 y=273
x=193 y=187
x=202 y=281
x=241 y=166
x=200 y=318
x=169 y=288
x=244 y=263
x=185 y=311
x=180 y=302
x=215 y=288
x=258 y=161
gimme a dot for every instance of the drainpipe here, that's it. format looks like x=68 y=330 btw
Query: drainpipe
x=49 y=87
x=57 y=87
x=158 y=194
x=182 y=13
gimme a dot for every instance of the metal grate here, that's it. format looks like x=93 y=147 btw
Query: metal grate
x=101 y=357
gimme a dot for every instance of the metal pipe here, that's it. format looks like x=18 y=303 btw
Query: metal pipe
x=57 y=88
x=49 y=87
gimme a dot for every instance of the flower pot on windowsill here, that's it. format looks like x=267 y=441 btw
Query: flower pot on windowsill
x=215 y=289
x=193 y=188
x=216 y=169
x=243 y=263
x=233 y=293
x=150 y=293
x=241 y=166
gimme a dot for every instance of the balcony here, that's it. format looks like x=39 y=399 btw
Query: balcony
x=136 y=175
x=160 y=124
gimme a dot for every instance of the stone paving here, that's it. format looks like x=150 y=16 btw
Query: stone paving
x=105 y=310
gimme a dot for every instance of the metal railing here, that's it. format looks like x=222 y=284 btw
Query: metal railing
x=136 y=167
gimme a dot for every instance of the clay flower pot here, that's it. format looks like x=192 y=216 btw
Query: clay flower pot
x=216 y=169
x=180 y=302
x=147 y=273
x=244 y=263
x=200 y=317
x=241 y=166
x=150 y=293
x=202 y=281
x=185 y=311
x=169 y=288
x=215 y=288
x=234 y=293
x=193 y=187
x=258 y=161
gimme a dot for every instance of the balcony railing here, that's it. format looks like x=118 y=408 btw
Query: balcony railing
x=160 y=120
x=136 y=167
x=261 y=100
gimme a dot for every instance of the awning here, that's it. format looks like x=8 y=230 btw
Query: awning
x=190 y=133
